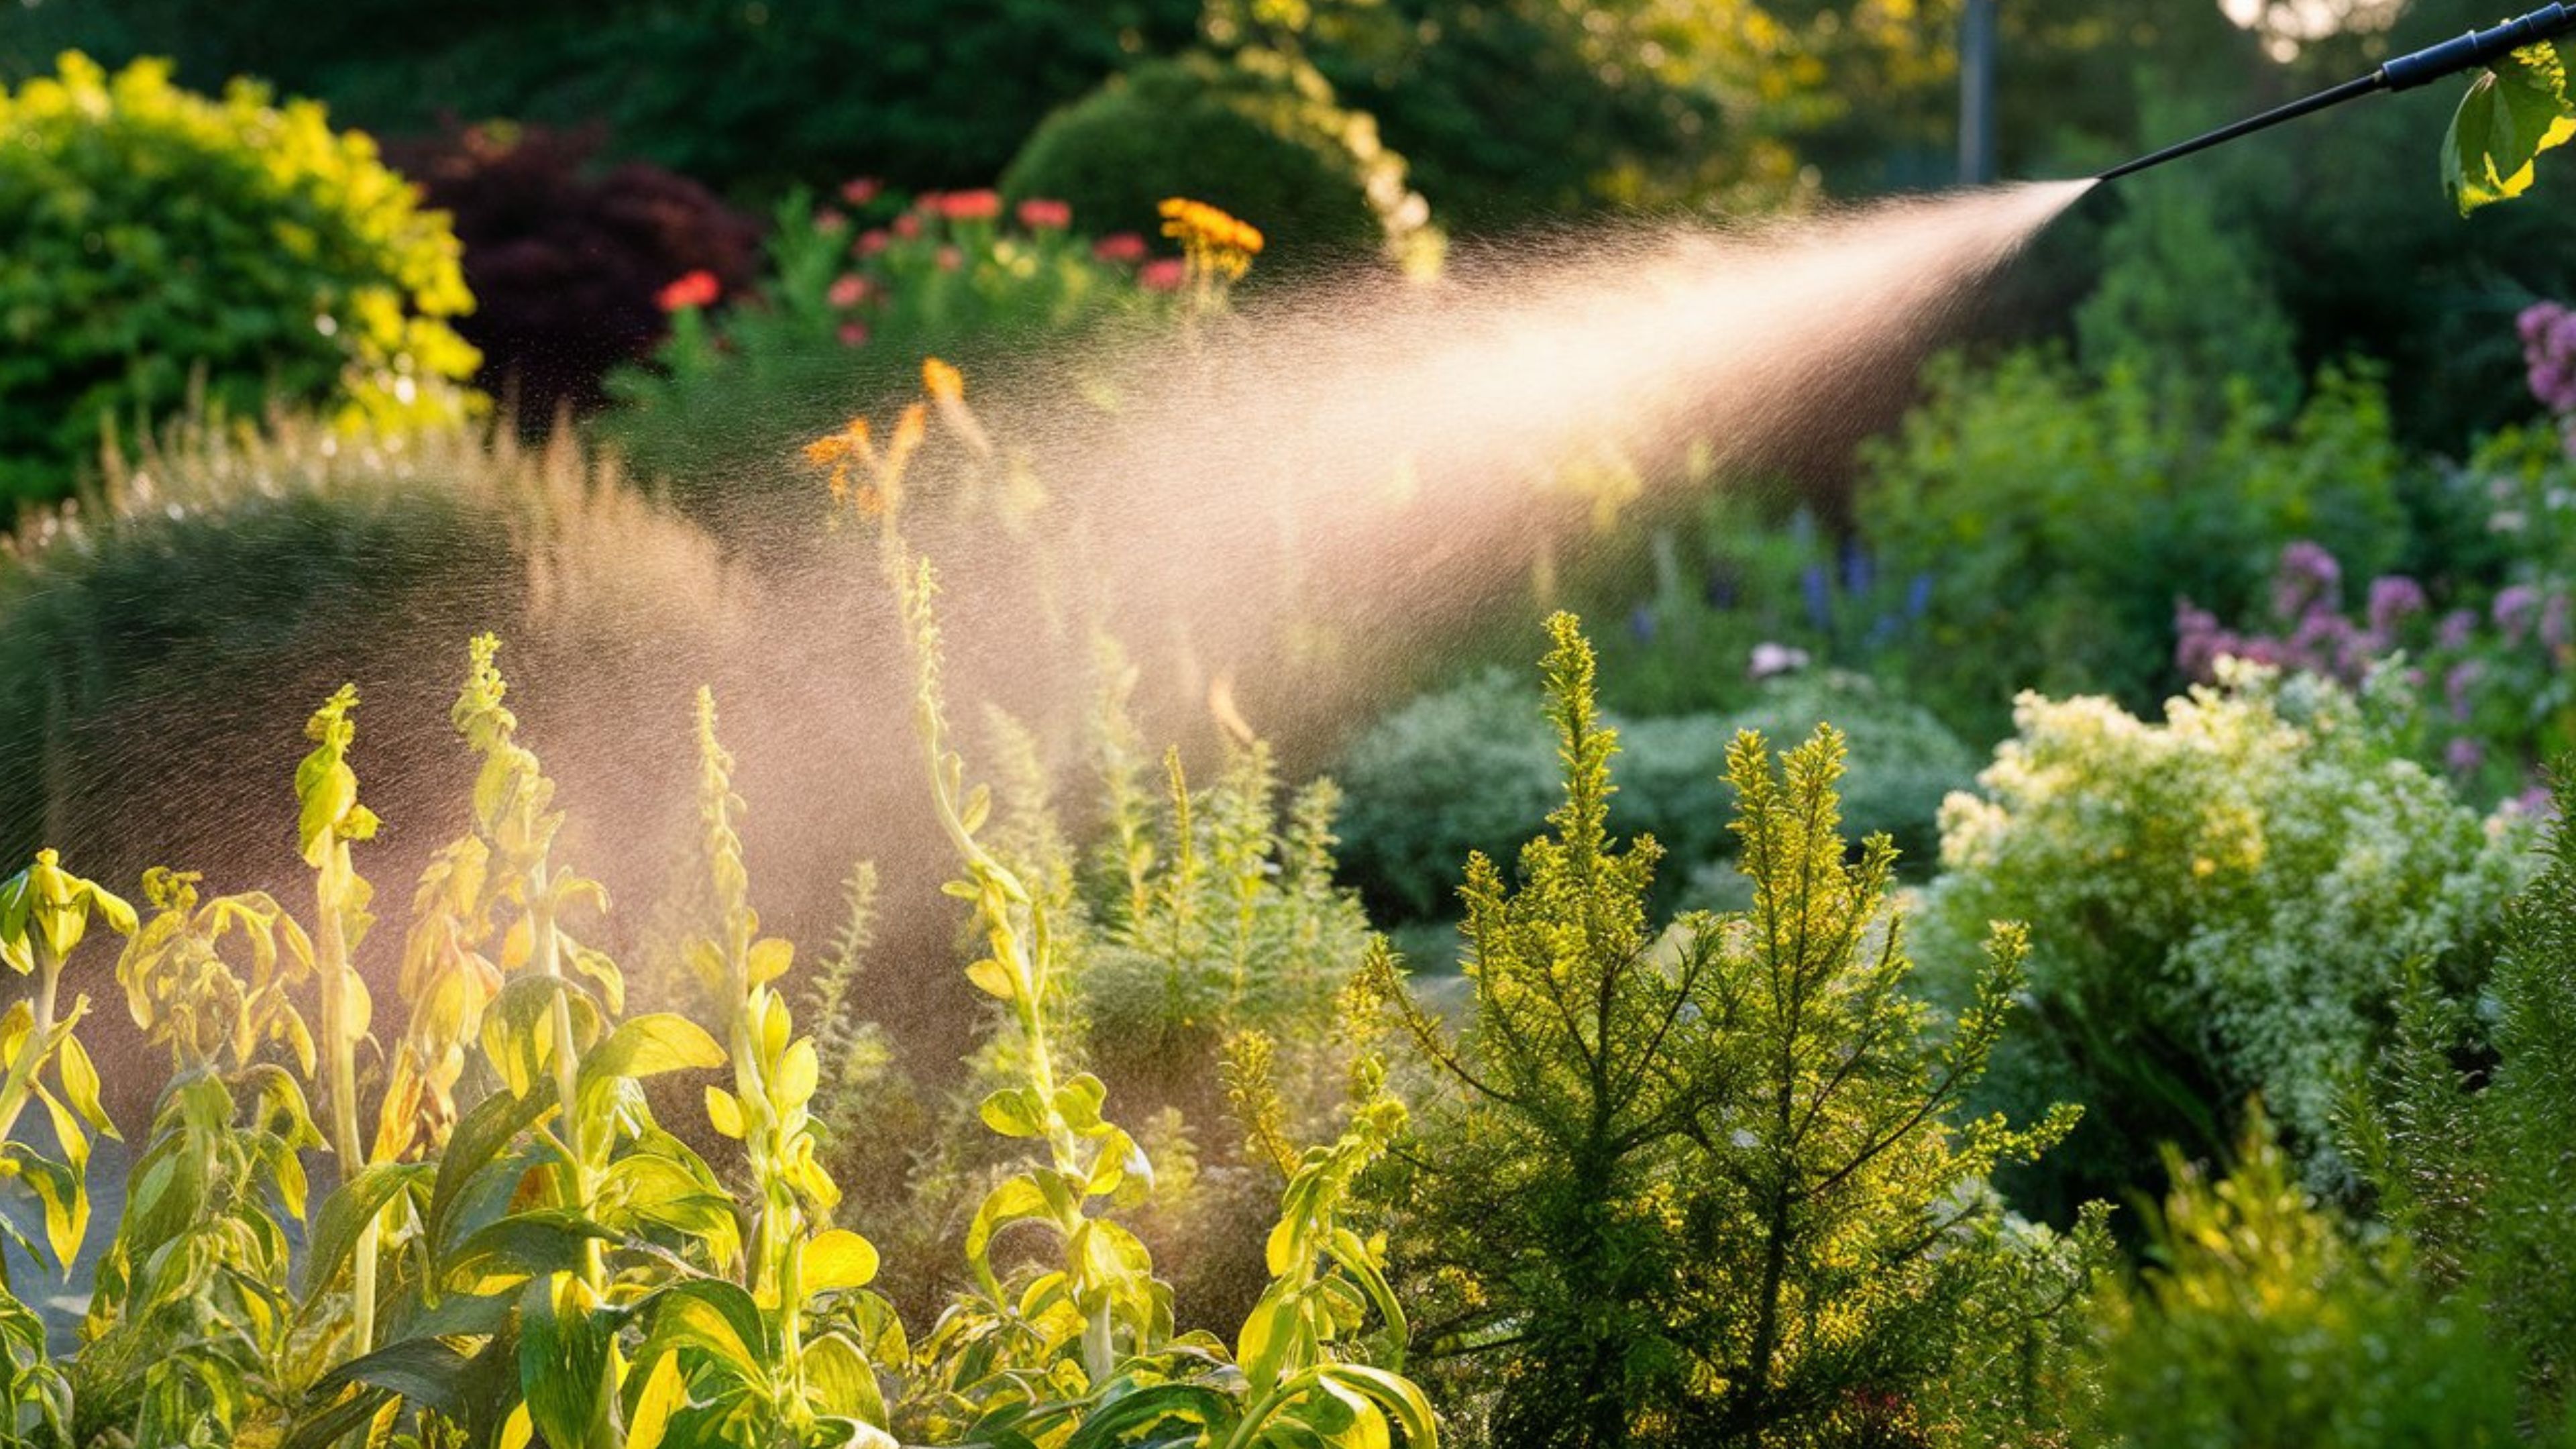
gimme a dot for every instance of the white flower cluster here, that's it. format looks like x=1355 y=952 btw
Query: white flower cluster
x=2244 y=883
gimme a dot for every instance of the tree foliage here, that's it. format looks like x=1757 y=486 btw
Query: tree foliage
x=1707 y=1186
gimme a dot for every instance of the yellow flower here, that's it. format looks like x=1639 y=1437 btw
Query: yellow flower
x=1217 y=244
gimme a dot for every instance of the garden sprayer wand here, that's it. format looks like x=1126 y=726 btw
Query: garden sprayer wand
x=2404 y=73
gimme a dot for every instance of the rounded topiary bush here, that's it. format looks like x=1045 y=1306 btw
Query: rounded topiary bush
x=156 y=235
x=1256 y=134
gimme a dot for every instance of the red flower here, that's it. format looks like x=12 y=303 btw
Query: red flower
x=828 y=219
x=853 y=334
x=695 y=289
x=1038 y=214
x=873 y=241
x=907 y=226
x=860 y=190
x=849 y=291
x=1122 y=246
x=970 y=205
x=1163 y=274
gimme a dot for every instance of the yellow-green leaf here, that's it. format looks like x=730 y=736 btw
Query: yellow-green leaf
x=724 y=1113
x=837 y=1259
x=663 y=1392
x=993 y=979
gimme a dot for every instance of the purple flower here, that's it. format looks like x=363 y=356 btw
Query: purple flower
x=2457 y=626
x=2515 y=608
x=1819 y=590
x=2554 y=630
x=2464 y=676
x=2464 y=754
x=2392 y=599
x=2307 y=575
x=1859 y=569
x=2199 y=641
x=2548 y=333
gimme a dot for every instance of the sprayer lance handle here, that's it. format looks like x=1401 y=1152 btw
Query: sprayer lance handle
x=2475 y=48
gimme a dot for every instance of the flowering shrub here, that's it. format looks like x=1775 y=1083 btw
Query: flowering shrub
x=855 y=294
x=2498 y=699
x=566 y=255
x=154 y=234
x=2220 y=905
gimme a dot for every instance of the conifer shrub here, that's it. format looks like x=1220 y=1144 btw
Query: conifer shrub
x=2221 y=903
x=158 y=236
x=2262 y=1319
x=1709 y=1183
x=2469 y=1137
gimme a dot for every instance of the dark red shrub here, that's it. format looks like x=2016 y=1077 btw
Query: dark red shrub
x=567 y=257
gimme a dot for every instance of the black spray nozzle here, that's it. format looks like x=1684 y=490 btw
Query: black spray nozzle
x=2433 y=62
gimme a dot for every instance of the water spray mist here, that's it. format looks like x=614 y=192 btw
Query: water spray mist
x=2403 y=73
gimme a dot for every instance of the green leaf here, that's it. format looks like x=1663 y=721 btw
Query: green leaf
x=537 y=1243
x=563 y=1359
x=840 y=1383
x=663 y=1392
x=2514 y=111
x=1013 y=1112
x=715 y=1318
x=477 y=1140
x=648 y=1046
x=1079 y=1102
x=422 y=1371
x=346 y=1213
x=1117 y=1420
x=81 y=1085
x=1395 y=1393
x=1016 y=1200
x=66 y=1207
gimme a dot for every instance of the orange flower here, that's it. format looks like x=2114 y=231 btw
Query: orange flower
x=943 y=382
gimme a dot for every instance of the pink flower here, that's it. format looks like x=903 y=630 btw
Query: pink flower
x=829 y=220
x=1039 y=214
x=970 y=205
x=907 y=226
x=692 y=289
x=950 y=259
x=873 y=241
x=1121 y=246
x=860 y=190
x=853 y=334
x=1163 y=274
x=849 y=291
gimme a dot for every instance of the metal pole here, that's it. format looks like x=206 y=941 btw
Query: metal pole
x=1977 y=93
